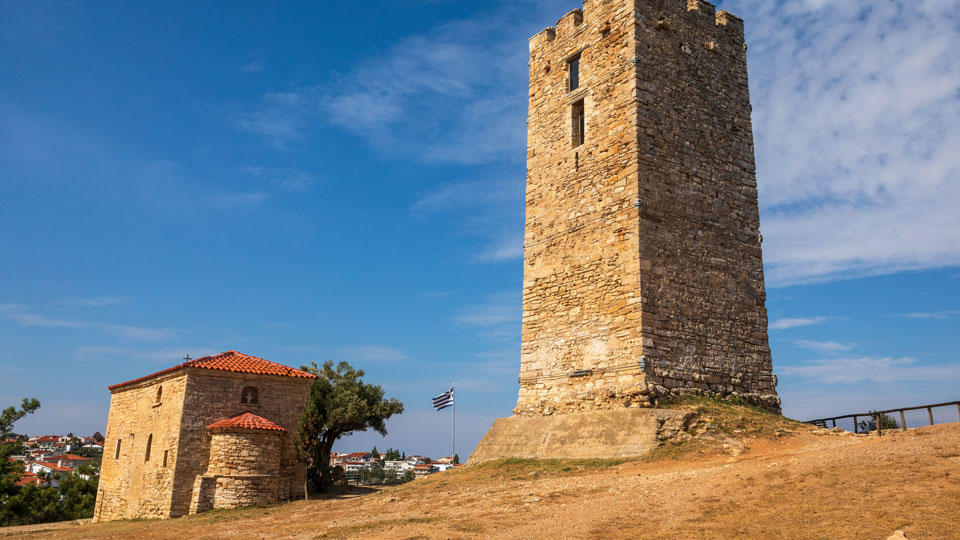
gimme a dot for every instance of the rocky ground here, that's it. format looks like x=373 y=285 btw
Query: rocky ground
x=738 y=474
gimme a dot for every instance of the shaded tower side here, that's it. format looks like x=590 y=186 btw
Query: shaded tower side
x=704 y=316
x=581 y=338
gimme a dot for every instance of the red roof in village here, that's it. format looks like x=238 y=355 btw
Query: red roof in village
x=28 y=479
x=229 y=361
x=247 y=420
x=67 y=457
x=51 y=466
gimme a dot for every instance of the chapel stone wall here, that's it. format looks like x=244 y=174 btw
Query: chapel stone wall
x=132 y=485
x=213 y=395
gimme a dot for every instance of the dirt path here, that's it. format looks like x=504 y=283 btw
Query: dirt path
x=800 y=487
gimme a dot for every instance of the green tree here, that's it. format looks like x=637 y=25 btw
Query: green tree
x=866 y=426
x=77 y=495
x=374 y=454
x=340 y=403
x=456 y=459
x=10 y=415
x=10 y=470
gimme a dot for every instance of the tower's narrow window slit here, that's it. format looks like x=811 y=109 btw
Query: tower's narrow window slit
x=579 y=124
x=574 y=66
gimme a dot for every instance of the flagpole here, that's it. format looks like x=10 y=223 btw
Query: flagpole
x=453 y=431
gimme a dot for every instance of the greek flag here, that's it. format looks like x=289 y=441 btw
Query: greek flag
x=444 y=400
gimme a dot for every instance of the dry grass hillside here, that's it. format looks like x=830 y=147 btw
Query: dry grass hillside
x=738 y=473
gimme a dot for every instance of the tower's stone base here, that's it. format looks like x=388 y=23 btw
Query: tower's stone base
x=590 y=434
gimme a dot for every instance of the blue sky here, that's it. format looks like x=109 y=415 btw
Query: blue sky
x=303 y=183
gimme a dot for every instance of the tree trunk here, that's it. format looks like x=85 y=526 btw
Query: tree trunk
x=306 y=481
x=325 y=449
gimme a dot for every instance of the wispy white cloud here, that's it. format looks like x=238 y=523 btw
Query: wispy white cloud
x=306 y=348
x=931 y=314
x=355 y=354
x=853 y=119
x=856 y=137
x=279 y=115
x=285 y=179
x=875 y=370
x=169 y=355
x=234 y=200
x=506 y=248
x=498 y=309
x=91 y=301
x=435 y=294
x=136 y=332
x=371 y=354
x=22 y=316
x=489 y=210
x=785 y=324
x=823 y=346
x=253 y=66
x=456 y=93
x=19 y=314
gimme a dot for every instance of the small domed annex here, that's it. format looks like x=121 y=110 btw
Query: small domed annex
x=243 y=468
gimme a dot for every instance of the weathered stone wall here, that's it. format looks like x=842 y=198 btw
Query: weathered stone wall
x=213 y=395
x=581 y=254
x=642 y=264
x=192 y=399
x=243 y=471
x=131 y=486
x=704 y=315
x=611 y=433
x=245 y=452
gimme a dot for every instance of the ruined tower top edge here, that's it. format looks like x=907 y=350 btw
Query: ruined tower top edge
x=665 y=11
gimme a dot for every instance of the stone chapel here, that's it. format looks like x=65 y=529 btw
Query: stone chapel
x=214 y=432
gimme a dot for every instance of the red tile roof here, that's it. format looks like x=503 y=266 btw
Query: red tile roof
x=65 y=457
x=52 y=466
x=28 y=479
x=229 y=361
x=247 y=420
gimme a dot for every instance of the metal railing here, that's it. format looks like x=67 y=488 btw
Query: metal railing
x=902 y=418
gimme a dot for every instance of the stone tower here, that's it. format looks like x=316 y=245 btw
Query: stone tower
x=642 y=262
x=215 y=432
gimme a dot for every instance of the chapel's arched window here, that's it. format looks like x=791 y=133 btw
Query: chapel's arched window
x=146 y=456
x=249 y=395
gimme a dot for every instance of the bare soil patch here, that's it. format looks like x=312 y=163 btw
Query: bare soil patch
x=784 y=481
